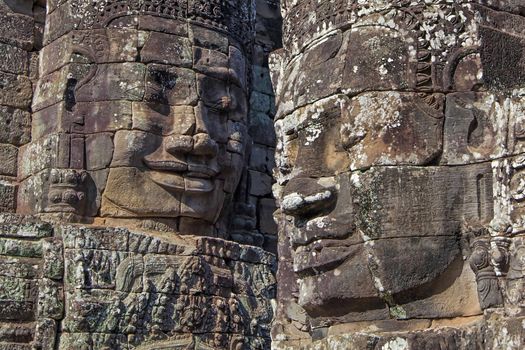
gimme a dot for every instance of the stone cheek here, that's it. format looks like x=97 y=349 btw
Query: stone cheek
x=399 y=163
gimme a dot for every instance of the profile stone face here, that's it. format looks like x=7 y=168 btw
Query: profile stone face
x=394 y=143
x=147 y=103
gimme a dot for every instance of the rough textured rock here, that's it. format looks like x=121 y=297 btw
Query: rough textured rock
x=398 y=175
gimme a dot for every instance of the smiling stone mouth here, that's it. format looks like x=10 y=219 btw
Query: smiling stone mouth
x=179 y=176
x=184 y=169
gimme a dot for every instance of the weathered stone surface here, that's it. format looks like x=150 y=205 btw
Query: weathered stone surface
x=170 y=85
x=471 y=334
x=8 y=193
x=99 y=151
x=13 y=60
x=476 y=127
x=15 y=91
x=266 y=221
x=8 y=159
x=114 y=82
x=15 y=126
x=16 y=29
x=260 y=183
x=167 y=49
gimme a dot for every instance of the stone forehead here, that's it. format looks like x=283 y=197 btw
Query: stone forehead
x=233 y=17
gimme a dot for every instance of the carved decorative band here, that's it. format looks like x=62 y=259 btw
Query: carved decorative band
x=236 y=17
x=308 y=18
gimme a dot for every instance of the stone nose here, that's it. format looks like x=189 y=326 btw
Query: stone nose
x=178 y=144
x=307 y=198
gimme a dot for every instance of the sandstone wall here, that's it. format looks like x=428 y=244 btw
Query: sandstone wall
x=21 y=28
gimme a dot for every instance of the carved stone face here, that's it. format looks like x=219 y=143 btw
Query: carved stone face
x=384 y=160
x=184 y=150
x=148 y=110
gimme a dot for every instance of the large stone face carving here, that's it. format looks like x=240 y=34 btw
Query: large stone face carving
x=393 y=121
x=146 y=102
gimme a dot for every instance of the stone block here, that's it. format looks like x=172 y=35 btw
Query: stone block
x=8 y=159
x=163 y=25
x=207 y=61
x=132 y=146
x=261 y=81
x=260 y=102
x=21 y=6
x=310 y=134
x=104 y=116
x=16 y=29
x=259 y=122
x=209 y=39
x=117 y=81
x=60 y=20
x=39 y=155
x=23 y=227
x=20 y=248
x=15 y=91
x=387 y=64
x=167 y=85
x=238 y=64
x=15 y=126
x=354 y=281
x=422 y=201
x=454 y=294
x=167 y=49
x=13 y=59
x=99 y=151
x=17 y=311
x=87 y=117
x=131 y=193
x=7 y=197
x=391 y=128
x=123 y=44
x=262 y=158
x=392 y=261
x=267 y=224
x=501 y=49
x=163 y=119
x=59 y=86
x=260 y=184
x=476 y=127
